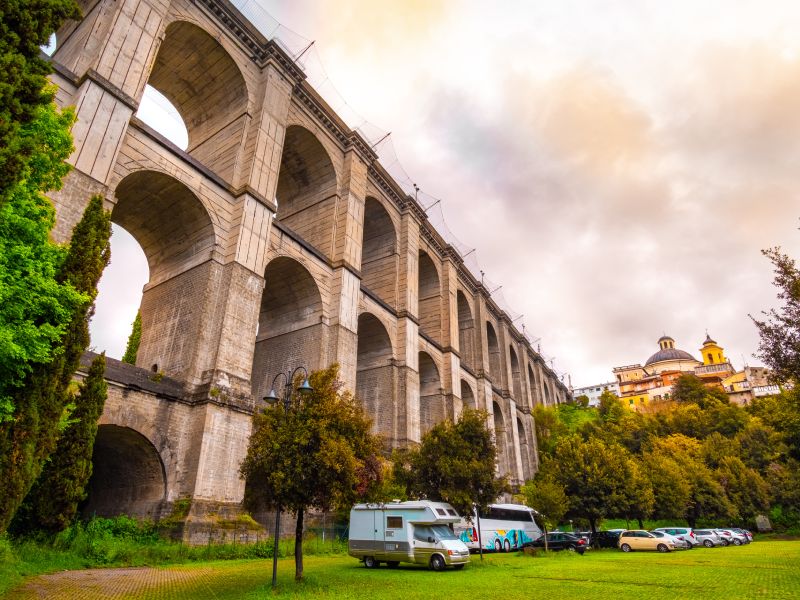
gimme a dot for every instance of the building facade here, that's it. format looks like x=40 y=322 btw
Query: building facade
x=275 y=239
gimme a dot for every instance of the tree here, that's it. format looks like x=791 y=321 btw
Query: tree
x=549 y=428
x=669 y=480
x=611 y=408
x=35 y=306
x=639 y=491
x=318 y=454
x=132 y=349
x=690 y=389
x=593 y=474
x=745 y=488
x=30 y=437
x=548 y=499
x=455 y=463
x=53 y=501
x=25 y=25
x=582 y=401
x=779 y=330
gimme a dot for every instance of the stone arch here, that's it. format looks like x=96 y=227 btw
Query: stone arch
x=203 y=82
x=290 y=328
x=379 y=257
x=532 y=386
x=466 y=331
x=548 y=400
x=516 y=379
x=176 y=233
x=525 y=450
x=493 y=346
x=430 y=298
x=500 y=437
x=374 y=376
x=468 y=396
x=432 y=409
x=128 y=475
x=307 y=189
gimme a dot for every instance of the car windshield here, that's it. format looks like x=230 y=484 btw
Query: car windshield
x=442 y=532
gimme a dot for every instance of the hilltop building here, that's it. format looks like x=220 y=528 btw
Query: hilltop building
x=595 y=391
x=641 y=385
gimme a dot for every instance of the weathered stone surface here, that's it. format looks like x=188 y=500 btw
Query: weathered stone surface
x=275 y=240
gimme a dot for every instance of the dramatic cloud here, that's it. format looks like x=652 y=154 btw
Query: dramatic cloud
x=618 y=165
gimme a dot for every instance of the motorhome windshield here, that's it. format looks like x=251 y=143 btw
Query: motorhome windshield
x=443 y=532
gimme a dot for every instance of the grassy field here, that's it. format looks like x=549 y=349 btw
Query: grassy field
x=759 y=570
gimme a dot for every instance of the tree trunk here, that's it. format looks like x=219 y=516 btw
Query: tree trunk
x=592 y=524
x=545 y=537
x=298 y=547
x=641 y=524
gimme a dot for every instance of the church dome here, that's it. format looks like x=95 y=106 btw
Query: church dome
x=669 y=354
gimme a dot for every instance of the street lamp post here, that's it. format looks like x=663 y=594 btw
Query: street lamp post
x=272 y=398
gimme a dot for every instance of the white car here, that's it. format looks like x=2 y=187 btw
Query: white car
x=679 y=542
x=685 y=534
x=732 y=537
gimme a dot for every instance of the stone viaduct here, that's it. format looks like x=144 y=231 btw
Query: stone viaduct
x=275 y=239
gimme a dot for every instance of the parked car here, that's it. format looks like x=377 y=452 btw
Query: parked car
x=683 y=533
x=557 y=540
x=744 y=532
x=638 y=539
x=602 y=539
x=709 y=538
x=680 y=543
x=737 y=539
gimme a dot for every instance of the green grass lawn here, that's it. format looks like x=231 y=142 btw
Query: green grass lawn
x=759 y=570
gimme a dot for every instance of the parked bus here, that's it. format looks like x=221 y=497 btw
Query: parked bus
x=503 y=527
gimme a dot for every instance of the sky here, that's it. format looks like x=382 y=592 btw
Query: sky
x=618 y=165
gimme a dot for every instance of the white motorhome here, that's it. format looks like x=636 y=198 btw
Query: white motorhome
x=419 y=532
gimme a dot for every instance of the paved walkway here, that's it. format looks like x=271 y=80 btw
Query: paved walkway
x=115 y=583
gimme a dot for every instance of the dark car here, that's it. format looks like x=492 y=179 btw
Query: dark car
x=559 y=541
x=602 y=539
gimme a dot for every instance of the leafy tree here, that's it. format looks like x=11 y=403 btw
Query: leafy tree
x=35 y=306
x=53 y=500
x=717 y=447
x=549 y=428
x=639 y=491
x=690 y=389
x=779 y=330
x=673 y=490
x=745 y=488
x=593 y=474
x=548 y=499
x=455 y=463
x=782 y=413
x=611 y=408
x=25 y=25
x=582 y=401
x=318 y=454
x=759 y=445
x=28 y=439
x=134 y=339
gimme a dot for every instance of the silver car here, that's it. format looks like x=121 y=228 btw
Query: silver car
x=709 y=538
x=682 y=533
x=732 y=537
x=679 y=542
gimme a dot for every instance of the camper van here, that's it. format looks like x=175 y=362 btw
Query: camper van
x=418 y=532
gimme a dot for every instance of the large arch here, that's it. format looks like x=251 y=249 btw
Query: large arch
x=374 y=376
x=500 y=437
x=177 y=236
x=307 y=189
x=548 y=400
x=197 y=75
x=495 y=364
x=516 y=379
x=466 y=331
x=379 y=257
x=430 y=298
x=468 y=396
x=432 y=408
x=290 y=328
x=128 y=476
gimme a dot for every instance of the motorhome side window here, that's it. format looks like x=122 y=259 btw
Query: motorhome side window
x=421 y=534
x=394 y=522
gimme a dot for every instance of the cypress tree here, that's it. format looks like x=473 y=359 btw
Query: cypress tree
x=53 y=500
x=133 y=341
x=27 y=440
x=25 y=25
